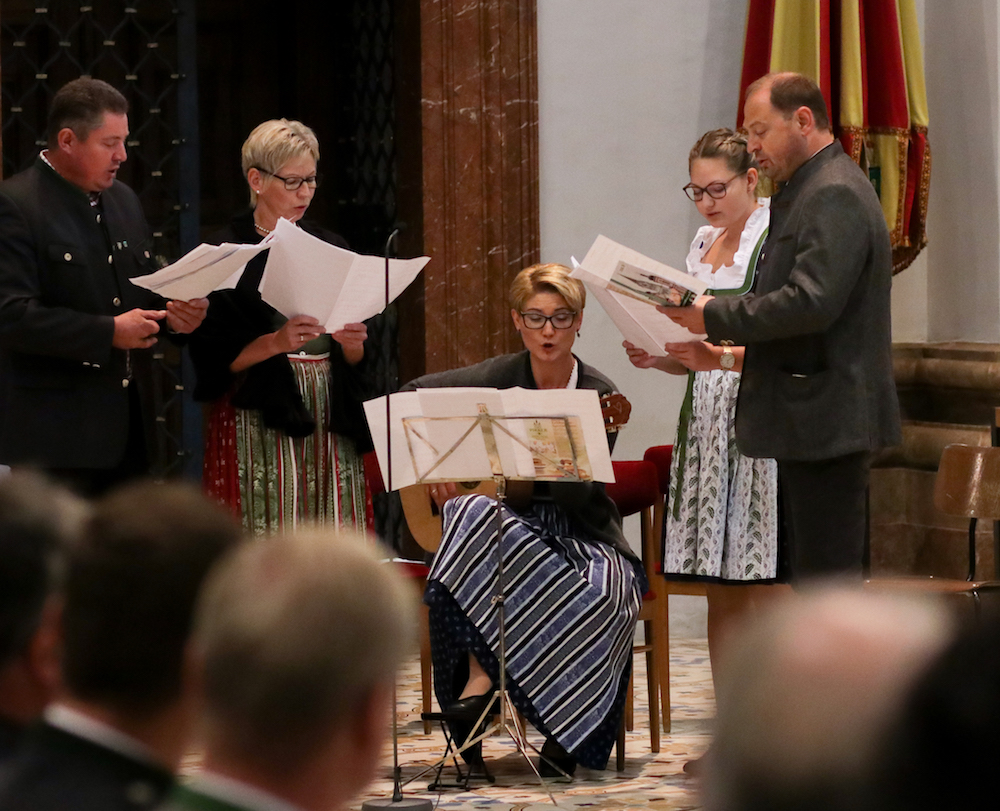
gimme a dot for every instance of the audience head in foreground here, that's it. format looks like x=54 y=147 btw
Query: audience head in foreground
x=37 y=520
x=122 y=717
x=297 y=642
x=807 y=692
x=944 y=746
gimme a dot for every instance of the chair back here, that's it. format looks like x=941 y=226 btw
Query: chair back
x=661 y=456
x=968 y=482
x=636 y=486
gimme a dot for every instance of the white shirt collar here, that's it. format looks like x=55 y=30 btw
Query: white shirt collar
x=236 y=792
x=84 y=726
x=574 y=376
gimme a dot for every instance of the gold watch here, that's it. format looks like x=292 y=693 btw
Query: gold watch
x=727 y=360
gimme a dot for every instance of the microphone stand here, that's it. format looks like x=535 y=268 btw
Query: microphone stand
x=397 y=801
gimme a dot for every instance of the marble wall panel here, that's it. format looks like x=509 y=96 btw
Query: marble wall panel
x=479 y=122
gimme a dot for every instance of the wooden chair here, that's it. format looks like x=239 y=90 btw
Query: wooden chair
x=636 y=490
x=967 y=485
x=661 y=456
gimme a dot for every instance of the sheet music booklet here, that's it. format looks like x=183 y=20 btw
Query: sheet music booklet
x=546 y=434
x=629 y=286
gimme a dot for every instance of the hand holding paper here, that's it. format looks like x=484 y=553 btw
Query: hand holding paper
x=352 y=340
x=692 y=318
x=184 y=317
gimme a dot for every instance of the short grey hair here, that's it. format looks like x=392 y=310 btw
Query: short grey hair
x=294 y=632
x=272 y=144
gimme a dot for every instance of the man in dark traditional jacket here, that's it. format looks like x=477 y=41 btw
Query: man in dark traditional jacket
x=72 y=326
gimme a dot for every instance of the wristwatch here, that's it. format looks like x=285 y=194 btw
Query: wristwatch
x=727 y=360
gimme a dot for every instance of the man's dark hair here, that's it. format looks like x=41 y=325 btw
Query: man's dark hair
x=37 y=519
x=81 y=105
x=131 y=586
x=789 y=91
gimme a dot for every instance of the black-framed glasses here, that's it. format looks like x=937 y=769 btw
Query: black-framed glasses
x=564 y=319
x=294 y=183
x=715 y=190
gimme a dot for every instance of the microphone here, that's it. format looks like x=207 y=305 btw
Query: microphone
x=397 y=802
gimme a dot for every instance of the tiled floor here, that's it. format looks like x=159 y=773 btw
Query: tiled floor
x=649 y=781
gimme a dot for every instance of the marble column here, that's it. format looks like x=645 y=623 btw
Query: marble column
x=479 y=135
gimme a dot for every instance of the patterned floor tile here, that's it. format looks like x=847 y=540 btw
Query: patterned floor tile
x=649 y=781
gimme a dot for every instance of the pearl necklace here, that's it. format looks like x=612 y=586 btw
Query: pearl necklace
x=261 y=228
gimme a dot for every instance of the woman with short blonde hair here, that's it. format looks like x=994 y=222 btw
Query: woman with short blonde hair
x=286 y=418
x=273 y=144
x=549 y=276
x=575 y=584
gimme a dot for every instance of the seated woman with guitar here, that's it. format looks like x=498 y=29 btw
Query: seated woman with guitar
x=573 y=585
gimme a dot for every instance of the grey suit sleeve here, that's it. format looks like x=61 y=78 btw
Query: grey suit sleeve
x=829 y=247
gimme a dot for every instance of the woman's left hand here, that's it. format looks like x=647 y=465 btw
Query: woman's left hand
x=698 y=356
x=352 y=340
x=440 y=492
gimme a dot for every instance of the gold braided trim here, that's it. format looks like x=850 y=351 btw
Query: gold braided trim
x=902 y=258
x=857 y=140
x=905 y=246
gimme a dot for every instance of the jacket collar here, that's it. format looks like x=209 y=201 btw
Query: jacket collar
x=801 y=175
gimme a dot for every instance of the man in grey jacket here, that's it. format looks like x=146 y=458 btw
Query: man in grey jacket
x=817 y=392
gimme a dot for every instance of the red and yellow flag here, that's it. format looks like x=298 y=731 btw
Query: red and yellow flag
x=866 y=57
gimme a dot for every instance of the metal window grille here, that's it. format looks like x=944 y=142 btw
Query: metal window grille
x=367 y=174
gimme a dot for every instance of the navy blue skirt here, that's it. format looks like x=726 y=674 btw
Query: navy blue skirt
x=570 y=608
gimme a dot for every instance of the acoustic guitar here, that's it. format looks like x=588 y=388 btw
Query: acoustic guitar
x=423 y=518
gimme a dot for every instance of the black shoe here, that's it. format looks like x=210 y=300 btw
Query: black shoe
x=472 y=707
x=463 y=715
x=461 y=731
x=554 y=755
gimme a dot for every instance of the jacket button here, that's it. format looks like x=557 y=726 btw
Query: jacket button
x=111 y=259
x=68 y=257
x=116 y=301
x=124 y=382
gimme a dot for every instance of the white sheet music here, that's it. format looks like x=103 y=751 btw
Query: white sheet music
x=436 y=435
x=199 y=272
x=306 y=276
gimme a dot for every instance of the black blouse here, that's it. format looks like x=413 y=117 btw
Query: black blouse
x=237 y=317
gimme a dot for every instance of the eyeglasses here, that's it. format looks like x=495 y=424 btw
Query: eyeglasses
x=564 y=319
x=293 y=183
x=714 y=190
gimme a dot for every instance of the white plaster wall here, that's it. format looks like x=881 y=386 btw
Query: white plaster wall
x=625 y=89
x=910 y=313
x=961 y=66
